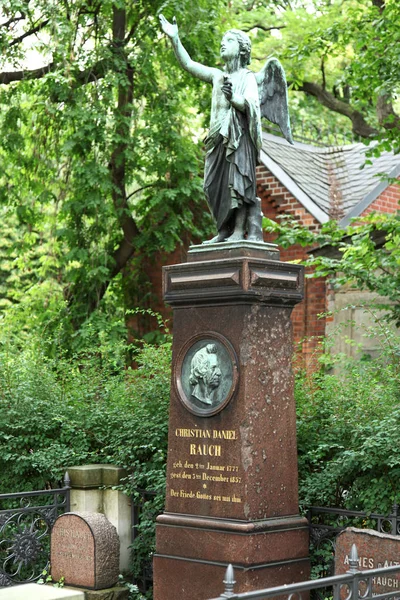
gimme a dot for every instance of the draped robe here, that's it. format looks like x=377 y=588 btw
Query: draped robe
x=232 y=150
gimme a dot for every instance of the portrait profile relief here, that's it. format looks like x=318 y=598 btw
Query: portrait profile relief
x=207 y=375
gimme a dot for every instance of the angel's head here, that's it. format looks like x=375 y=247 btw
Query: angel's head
x=236 y=43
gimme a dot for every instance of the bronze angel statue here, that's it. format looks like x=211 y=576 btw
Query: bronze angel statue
x=239 y=99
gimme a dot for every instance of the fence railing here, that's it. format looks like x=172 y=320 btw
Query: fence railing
x=26 y=520
x=324 y=523
x=353 y=585
x=337 y=519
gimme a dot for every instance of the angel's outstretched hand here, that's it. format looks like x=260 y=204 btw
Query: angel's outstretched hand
x=170 y=29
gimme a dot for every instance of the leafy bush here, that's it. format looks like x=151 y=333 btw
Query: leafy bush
x=55 y=413
x=347 y=429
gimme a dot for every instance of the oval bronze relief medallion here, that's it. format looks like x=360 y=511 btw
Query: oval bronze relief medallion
x=206 y=374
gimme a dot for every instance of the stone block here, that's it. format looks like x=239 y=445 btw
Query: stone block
x=114 y=593
x=89 y=493
x=118 y=509
x=85 y=550
x=86 y=500
x=95 y=476
x=33 y=591
x=375 y=550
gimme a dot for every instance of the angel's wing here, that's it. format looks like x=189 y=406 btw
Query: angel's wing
x=272 y=91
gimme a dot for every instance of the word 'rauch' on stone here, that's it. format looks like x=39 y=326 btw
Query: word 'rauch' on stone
x=205 y=450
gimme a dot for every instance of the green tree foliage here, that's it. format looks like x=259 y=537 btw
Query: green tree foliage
x=346 y=433
x=341 y=55
x=366 y=254
x=98 y=164
x=90 y=409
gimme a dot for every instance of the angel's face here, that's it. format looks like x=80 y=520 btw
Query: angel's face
x=230 y=47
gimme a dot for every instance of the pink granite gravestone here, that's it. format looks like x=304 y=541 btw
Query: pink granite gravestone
x=85 y=550
x=232 y=457
x=375 y=550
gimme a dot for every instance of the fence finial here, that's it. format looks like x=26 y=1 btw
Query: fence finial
x=229 y=582
x=353 y=560
x=67 y=480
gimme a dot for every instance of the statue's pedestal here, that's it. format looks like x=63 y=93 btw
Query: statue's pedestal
x=232 y=457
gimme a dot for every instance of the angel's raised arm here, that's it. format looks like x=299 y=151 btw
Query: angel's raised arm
x=194 y=68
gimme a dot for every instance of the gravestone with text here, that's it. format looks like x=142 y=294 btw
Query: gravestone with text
x=85 y=551
x=375 y=551
x=232 y=458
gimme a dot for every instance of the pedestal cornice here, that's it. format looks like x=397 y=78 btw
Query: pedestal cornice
x=234 y=280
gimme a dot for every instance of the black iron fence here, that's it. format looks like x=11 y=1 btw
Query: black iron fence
x=325 y=524
x=26 y=520
x=354 y=585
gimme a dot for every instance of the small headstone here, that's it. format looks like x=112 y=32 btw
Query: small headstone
x=85 y=550
x=375 y=551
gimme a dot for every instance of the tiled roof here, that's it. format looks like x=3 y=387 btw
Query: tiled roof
x=314 y=174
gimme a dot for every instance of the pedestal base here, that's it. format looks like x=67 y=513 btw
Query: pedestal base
x=193 y=552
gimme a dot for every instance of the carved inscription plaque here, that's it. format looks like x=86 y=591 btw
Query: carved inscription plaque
x=206 y=471
x=375 y=550
x=206 y=374
x=85 y=550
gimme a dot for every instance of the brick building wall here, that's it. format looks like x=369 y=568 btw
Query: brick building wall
x=308 y=328
x=148 y=293
x=387 y=202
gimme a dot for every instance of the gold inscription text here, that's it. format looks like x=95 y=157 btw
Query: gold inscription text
x=205 y=450
x=215 y=434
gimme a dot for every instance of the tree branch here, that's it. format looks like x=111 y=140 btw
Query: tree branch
x=386 y=114
x=323 y=73
x=263 y=27
x=7 y=77
x=360 y=125
x=140 y=190
x=132 y=30
x=19 y=39
x=380 y=4
x=12 y=20
x=117 y=166
x=118 y=156
x=92 y=73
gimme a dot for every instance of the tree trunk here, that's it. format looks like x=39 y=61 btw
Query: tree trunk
x=117 y=166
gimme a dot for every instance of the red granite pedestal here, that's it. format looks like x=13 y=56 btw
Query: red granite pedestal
x=232 y=465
